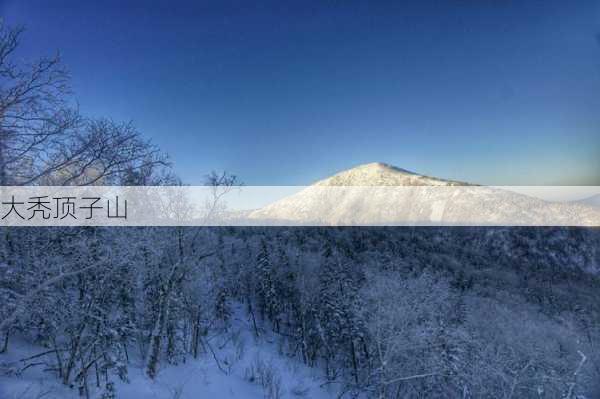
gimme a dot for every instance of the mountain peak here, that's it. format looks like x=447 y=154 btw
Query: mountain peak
x=382 y=174
x=383 y=167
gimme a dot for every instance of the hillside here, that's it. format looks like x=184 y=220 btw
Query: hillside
x=379 y=194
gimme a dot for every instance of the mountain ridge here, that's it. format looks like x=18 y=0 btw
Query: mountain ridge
x=383 y=174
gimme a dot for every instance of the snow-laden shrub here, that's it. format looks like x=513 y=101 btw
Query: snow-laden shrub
x=266 y=375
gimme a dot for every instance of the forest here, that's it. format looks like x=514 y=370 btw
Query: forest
x=384 y=312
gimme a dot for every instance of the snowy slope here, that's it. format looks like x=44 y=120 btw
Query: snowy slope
x=376 y=194
x=238 y=359
x=591 y=201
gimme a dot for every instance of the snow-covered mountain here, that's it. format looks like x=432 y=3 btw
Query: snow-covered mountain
x=380 y=194
x=381 y=174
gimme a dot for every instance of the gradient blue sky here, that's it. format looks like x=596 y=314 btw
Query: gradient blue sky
x=492 y=92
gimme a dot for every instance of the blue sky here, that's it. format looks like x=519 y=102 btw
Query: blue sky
x=492 y=92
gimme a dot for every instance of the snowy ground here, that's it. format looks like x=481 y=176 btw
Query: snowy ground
x=243 y=361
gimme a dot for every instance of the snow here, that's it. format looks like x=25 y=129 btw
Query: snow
x=238 y=352
x=591 y=201
x=382 y=174
x=379 y=194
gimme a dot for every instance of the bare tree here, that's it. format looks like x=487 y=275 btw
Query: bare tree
x=221 y=184
x=104 y=152
x=45 y=140
x=33 y=110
